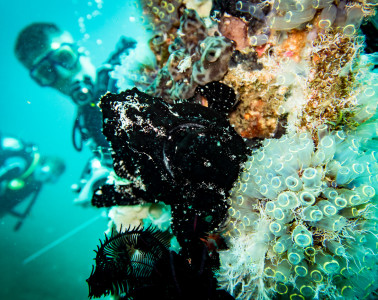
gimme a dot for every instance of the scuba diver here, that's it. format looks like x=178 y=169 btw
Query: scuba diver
x=54 y=60
x=23 y=171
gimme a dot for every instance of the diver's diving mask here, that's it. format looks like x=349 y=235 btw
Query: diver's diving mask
x=45 y=73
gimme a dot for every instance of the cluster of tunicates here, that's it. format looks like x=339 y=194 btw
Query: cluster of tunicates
x=251 y=8
x=195 y=59
x=366 y=100
x=291 y=14
x=164 y=14
x=251 y=14
x=255 y=10
x=303 y=218
x=162 y=19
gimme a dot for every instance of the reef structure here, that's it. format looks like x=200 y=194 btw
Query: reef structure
x=301 y=218
x=293 y=64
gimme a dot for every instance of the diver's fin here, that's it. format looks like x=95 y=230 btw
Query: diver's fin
x=60 y=240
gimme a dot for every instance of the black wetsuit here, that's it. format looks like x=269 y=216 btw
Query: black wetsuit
x=17 y=163
x=88 y=122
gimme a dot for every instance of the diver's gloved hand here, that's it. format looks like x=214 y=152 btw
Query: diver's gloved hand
x=94 y=175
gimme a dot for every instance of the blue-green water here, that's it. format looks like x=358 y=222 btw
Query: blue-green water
x=44 y=117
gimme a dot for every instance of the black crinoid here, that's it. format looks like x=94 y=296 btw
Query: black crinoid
x=137 y=264
x=124 y=258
